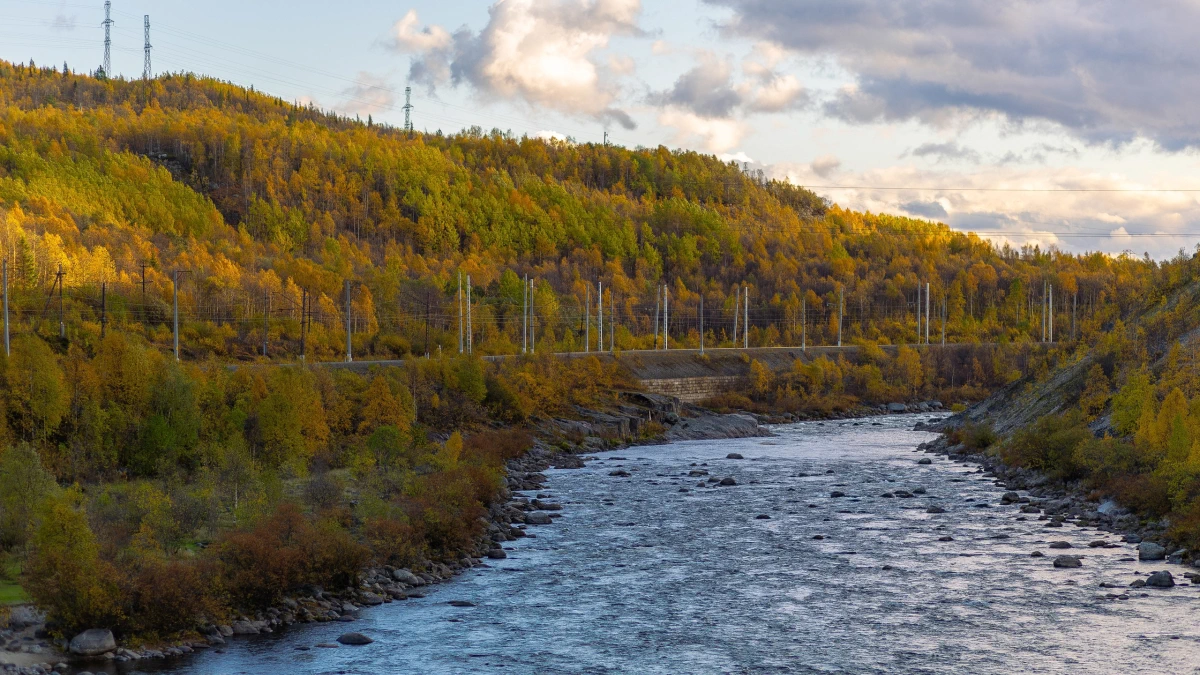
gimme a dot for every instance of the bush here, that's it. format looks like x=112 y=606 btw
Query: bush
x=975 y=436
x=1050 y=445
x=164 y=598
x=394 y=543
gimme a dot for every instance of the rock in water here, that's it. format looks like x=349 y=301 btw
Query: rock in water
x=1151 y=551
x=460 y=603
x=935 y=509
x=836 y=494
x=355 y=639
x=728 y=482
x=497 y=554
x=734 y=455
x=537 y=518
x=1037 y=554
x=93 y=642
x=1067 y=561
x=1060 y=544
x=924 y=460
x=1161 y=579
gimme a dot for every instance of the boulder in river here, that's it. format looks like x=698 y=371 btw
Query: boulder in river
x=935 y=509
x=762 y=516
x=406 y=577
x=1161 y=579
x=355 y=639
x=537 y=518
x=728 y=481
x=1068 y=562
x=460 y=603
x=1148 y=550
x=1037 y=554
x=1060 y=544
x=734 y=455
x=93 y=642
x=497 y=554
x=897 y=408
x=924 y=460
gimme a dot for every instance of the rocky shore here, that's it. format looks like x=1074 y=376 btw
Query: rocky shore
x=26 y=648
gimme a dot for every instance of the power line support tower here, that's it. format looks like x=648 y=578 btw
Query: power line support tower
x=746 y=320
x=408 y=108
x=146 y=68
x=460 y=314
x=108 y=22
x=666 y=318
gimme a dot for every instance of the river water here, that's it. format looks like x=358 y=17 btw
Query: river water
x=641 y=577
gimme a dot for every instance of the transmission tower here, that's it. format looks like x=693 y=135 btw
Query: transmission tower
x=108 y=22
x=408 y=110
x=146 y=68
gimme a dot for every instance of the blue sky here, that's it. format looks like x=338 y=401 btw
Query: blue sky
x=948 y=99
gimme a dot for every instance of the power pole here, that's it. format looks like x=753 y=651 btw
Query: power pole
x=62 y=326
x=408 y=108
x=146 y=67
x=587 y=319
x=470 y=325
x=1050 y=301
x=657 y=304
x=600 y=316
x=349 y=341
x=841 y=308
x=103 y=308
x=746 y=320
x=460 y=314
x=1074 y=310
x=666 y=318
x=803 y=324
x=175 y=302
x=943 y=320
x=304 y=325
x=532 y=321
x=918 y=312
x=143 y=289
x=525 y=316
x=702 y=323
x=266 y=325
x=927 y=307
x=108 y=22
x=737 y=313
x=612 y=324
x=7 y=346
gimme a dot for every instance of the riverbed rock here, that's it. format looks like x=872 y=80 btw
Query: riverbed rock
x=1037 y=554
x=620 y=473
x=1160 y=579
x=935 y=509
x=1138 y=583
x=1009 y=498
x=1060 y=544
x=1148 y=550
x=1068 y=562
x=716 y=427
x=836 y=494
x=538 y=518
x=728 y=481
x=372 y=599
x=924 y=460
x=93 y=642
x=762 y=516
x=497 y=554
x=460 y=603
x=406 y=577
x=897 y=408
x=244 y=628
x=734 y=455
x=355 y=639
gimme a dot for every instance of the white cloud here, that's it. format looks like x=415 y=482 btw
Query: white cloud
x=543 y=52
x=551 y=136
x=406 y=37
x=825 y=165
x=740 y=157
x=1076 y=221
x=661 y=47
x=777 y=94
x=715 y=134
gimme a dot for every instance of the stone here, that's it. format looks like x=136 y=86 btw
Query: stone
x=93 y=642
x=497 y=554
x=1099 y=543
x=734 y=455
x=897 y=408
x=1132 y=539
x=1060 y=544
x=1037 y=554
x=372 y=599
x=1068 y=562
x=1177 y=557
x=355 y=639
x=835 y=494
x=1138 y=583
x=728 y=481
x=762 y=516
x=924 y=460
x=327 y=645
x=460 y=603
x=1009 y=498
x=1150 y=551
x=406 y=577
x=935 y=509
x=620 y=473
x=946 y=538
x=1161 y=579
x=538 y=518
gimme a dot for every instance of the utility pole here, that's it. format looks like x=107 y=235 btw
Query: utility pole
x=303 y=325
x=1043 y=310
x=600 y=316
x=266 y=324
x=349 y=335
x=7 y=346
x=143 y=289
x=62 y=326
x=146 y=71
x=1074 y=311
x=103 y=308
x=525 y=315
x=612 y=324
x=587 y=320
x=943 y=320
x=460 y=314
x=918 y=312
x=841 y=309
x=532 y=321
x=470 y=326
x=804 y=324
x=702 y=323
x=408 y=108
x=927 y=307
x=746 y=321
x=175 y=303
x=657 y=303
x=108 y=22
x=666 y=318
x=737 y=313
x=1050 y=301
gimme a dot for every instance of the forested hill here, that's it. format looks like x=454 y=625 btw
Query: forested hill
x=257 y=199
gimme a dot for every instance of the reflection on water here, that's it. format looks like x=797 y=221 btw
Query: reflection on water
x=640 y=576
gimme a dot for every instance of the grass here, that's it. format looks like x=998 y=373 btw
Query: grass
x=11 y=592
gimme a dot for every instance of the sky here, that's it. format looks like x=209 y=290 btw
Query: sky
x=1067 y=123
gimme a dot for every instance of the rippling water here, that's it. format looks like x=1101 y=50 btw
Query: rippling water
x=640 y=577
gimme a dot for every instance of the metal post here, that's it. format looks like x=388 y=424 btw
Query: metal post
x=701 y=323
x=927 y=307
x=532 y=321
x=657 y=306
x=175 y=302
x=349 y=340
x=1050 y=300
x=1074 y=309
x=525 y=316
x=103 y=308
x=943 y=320
x=746 y=320
x=7 y=345
x=918 y=312
x=841 y=307
x=460 y=314
x=804 y=324
x=612 y=324
x=600 y=316
x=266 y=325
x=587 y=319
x=470 y=324
x=303 y=325
x=737 y=313
x=62 y=326
x=666 y=318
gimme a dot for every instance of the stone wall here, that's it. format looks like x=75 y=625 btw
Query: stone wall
x=694 y=389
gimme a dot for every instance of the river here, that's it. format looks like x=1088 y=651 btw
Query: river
x=641 y=577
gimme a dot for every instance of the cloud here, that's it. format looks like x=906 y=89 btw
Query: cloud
x=717 y=135
x=1154 y=222
x=369 y=95
x=740 y=157
x=543 y=52
x=951 y=152
x=63 y=22
x=826 y=165
x=706 y=89
x=1108 y=70
x=776 y=94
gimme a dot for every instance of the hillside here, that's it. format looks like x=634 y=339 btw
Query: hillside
x=258 y=200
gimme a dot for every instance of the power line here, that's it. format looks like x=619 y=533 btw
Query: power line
x=979 y=189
